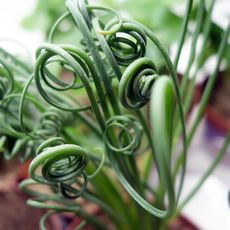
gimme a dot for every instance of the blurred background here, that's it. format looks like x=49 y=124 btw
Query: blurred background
x=29 y=22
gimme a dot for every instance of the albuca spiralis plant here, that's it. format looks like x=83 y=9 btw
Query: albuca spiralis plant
x=98 y=116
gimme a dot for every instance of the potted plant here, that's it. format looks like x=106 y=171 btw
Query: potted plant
x=95 y=134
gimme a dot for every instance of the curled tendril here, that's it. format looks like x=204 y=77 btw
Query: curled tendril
x=127 y=131
x=61 y=165
x=52 y=122
x=44 y=220
x=76 y=61
x=128 y=43
x=136 y=83
x=42 y=72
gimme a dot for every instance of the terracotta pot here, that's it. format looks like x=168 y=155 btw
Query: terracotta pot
x=217 y=120
x=218 y=109
x=76 y=221
x=182 y=223
x=14 y=212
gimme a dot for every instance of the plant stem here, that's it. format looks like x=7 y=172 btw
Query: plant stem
x=183 y=31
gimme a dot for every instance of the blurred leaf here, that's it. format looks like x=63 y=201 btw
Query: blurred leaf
x=44 y=15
